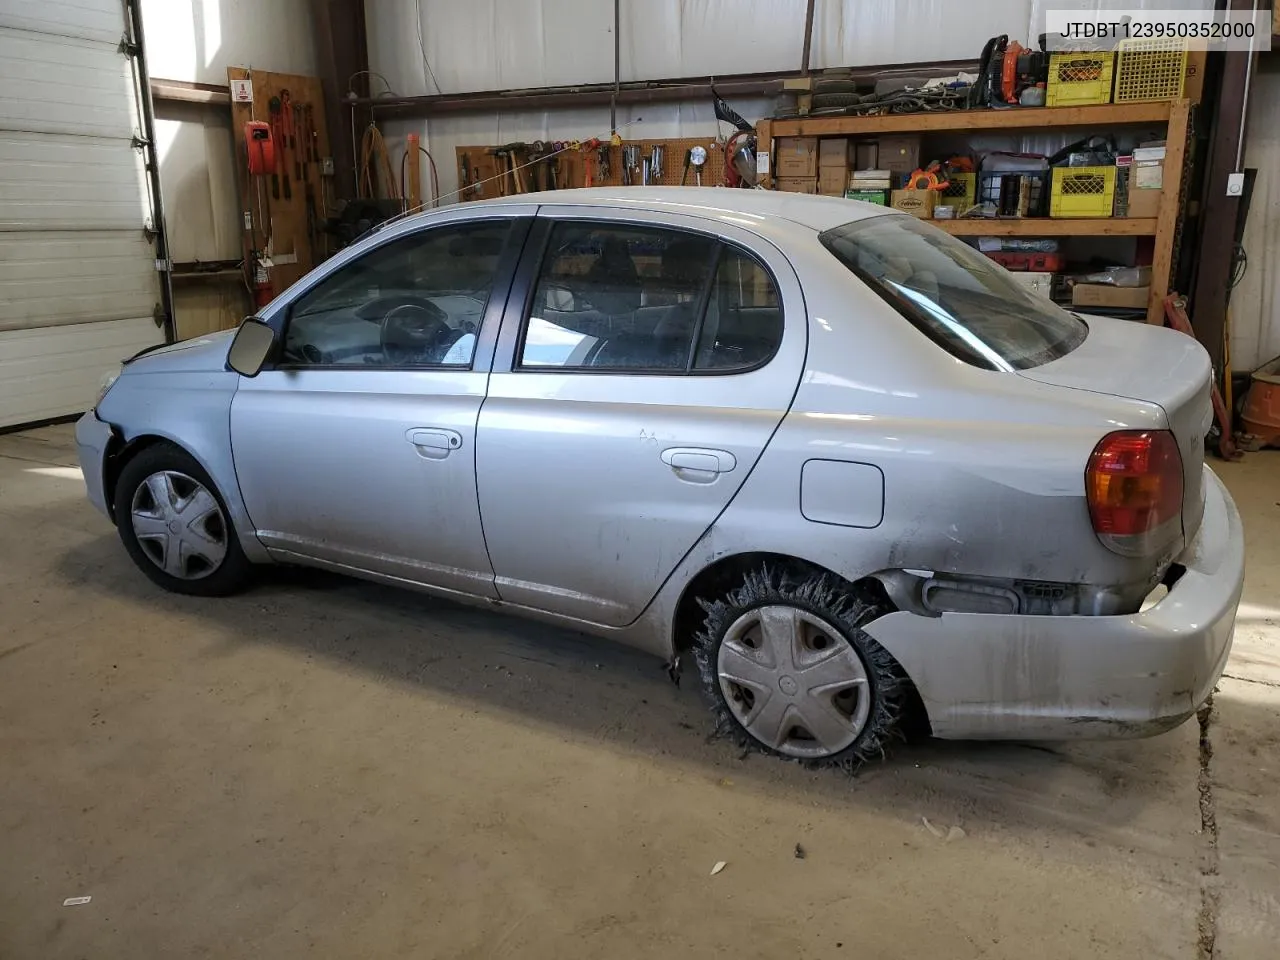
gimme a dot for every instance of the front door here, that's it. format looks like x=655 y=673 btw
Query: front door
x=632 y=393
x=357 y=448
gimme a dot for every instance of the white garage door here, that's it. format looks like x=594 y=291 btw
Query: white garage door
x=78 y=283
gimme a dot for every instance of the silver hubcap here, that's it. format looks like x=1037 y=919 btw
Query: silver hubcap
x=793 y=682
x=179 y=525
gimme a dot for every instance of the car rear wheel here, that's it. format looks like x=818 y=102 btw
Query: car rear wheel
x=788 y=670
x=175 y=525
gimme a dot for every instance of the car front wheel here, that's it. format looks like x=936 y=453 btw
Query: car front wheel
x=787 y=669
x=175 y=526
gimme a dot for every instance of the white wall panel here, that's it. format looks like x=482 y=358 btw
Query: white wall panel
x=55 y=371
x=198 y=178
x=50 y=182
x=88 y=19
x=113 y=279
x=196 y=40
x=77 y=275
x=54 y=84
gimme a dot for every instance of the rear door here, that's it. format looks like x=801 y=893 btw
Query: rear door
x=78 y=283
x=644 y=362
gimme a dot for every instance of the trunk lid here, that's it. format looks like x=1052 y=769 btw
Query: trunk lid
x=1126 y=358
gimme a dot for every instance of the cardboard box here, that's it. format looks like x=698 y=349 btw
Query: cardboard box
x=833 y=152
x=1147 y=175
x=918 y=203
x=900 y=155
x=865 y=153
x=1034 y=281
x=796 y=157
x=1109 y=295
x=1144 y=202
x=832 y=181
x=797 y=184
x=869 y=196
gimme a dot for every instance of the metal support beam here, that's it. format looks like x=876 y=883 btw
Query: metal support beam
x=651 y=91
x=617 y=65
x=342 y=61
x=159 y=230
x=1220 y=212
x=808 y=38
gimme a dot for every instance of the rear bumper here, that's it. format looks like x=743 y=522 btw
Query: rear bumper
x=92 y=437
x=1033 y=677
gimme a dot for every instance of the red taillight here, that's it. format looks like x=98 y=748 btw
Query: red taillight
x=1134 y=487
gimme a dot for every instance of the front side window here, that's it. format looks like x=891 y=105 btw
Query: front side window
x=625 y=298
x=960 y=299
x=415 y=302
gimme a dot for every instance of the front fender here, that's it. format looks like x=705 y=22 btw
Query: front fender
x=191 y=409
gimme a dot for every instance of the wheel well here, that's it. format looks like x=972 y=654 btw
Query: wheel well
x=727 y=573
x=119 y=453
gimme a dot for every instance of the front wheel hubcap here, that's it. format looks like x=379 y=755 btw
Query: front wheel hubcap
x=793 y=681
x=179 y=525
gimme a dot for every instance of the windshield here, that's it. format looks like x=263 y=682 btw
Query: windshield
x=957 y=297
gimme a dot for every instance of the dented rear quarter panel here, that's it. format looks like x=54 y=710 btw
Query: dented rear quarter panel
x=983 y=470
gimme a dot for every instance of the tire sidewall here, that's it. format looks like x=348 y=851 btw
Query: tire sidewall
x=843 y=615
x=234 y=569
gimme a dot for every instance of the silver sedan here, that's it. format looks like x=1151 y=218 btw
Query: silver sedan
x=833 y=457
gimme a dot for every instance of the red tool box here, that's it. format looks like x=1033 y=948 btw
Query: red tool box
x=1042 y=262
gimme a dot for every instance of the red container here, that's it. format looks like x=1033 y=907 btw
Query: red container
x=1261 y=413
x=261 y=147
x=1042 y=262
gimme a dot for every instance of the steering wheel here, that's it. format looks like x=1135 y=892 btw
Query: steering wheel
x=408 y=333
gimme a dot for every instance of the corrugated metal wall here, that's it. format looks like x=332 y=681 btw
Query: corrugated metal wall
x=504 y=44
x=78 y=285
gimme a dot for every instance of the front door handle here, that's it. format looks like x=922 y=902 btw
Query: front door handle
x=698 y=464
x=434 y=443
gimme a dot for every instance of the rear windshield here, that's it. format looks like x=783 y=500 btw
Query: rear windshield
x=957 y=297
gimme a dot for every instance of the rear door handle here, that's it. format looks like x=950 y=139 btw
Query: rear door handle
x=434 y=443
x=698 y=464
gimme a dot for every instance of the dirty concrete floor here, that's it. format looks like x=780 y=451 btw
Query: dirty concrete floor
x=328 y=767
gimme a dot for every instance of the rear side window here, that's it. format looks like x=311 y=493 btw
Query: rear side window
x=615 y=297
x=957 y=297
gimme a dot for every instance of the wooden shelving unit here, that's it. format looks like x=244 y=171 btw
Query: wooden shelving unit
x=1174 y=115
x=1049 y=226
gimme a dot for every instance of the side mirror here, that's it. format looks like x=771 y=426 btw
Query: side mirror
x=251 y=347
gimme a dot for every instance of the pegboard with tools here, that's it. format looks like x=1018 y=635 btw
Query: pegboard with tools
x=283 y=173
x=514 y=168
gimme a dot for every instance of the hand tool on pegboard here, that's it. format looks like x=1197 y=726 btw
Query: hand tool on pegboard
x=273 y=113
x=698 y=157
x=312 y=149
x=288 y=144
x=503 y=156
x=1175 y=315
x=300 y=142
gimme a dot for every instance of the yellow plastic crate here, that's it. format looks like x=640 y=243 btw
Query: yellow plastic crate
x=1079 y=79
x=1082 y=192
x=1150 y=69
x=960 y=193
